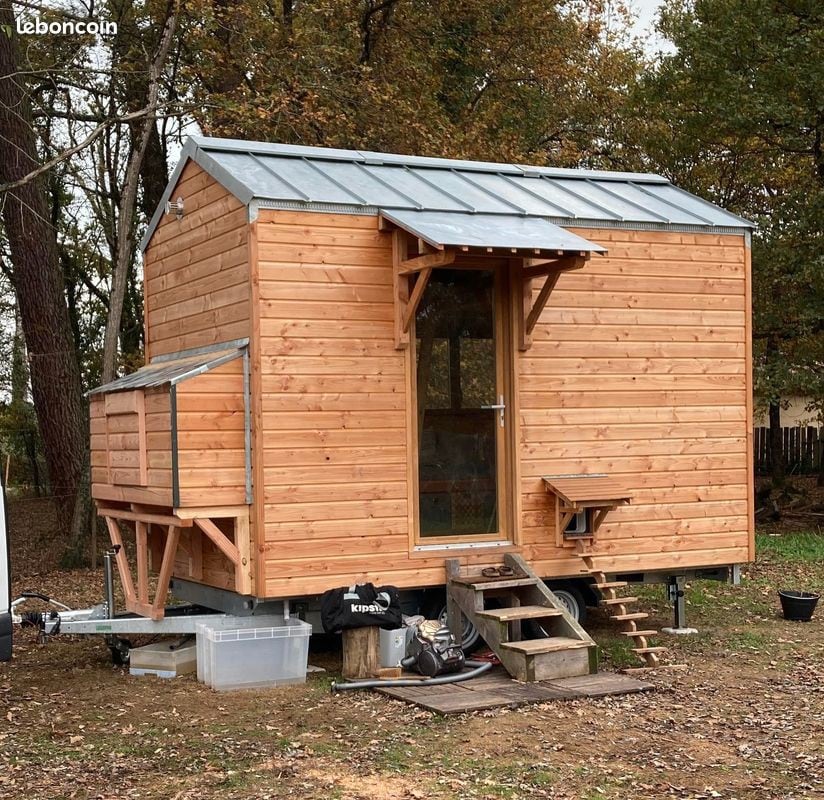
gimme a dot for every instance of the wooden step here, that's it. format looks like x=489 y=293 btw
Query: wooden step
x=638 y=633
x=611 y=585
x=520 y=612
x=641 y=650
x=480 y=583
x=634 y=615
x=553 y=644
x=618 y=601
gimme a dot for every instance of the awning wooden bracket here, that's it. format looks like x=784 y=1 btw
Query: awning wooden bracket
x=530 y=311
x=410 y=277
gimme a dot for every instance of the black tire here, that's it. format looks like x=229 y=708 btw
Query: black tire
x=434 y=607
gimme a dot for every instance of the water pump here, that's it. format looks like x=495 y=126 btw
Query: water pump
x=433 y=650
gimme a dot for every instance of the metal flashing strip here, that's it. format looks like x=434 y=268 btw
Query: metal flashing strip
x=233 y=344
x=175 y=454
x=566 y=222
x=247 y=423
x=426 y=548
x=209 y=365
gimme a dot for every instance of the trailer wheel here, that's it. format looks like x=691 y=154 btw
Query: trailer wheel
x=120 y=649
x=434 y=607
x=570 y=597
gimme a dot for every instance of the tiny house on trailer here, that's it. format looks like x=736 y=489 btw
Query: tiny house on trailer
x=360 y=366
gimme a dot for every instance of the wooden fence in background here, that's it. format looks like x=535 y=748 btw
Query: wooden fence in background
x=803 y=450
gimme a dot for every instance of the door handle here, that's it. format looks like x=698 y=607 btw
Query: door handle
x=500 y=407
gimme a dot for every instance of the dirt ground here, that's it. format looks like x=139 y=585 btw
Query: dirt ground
x=744 y=719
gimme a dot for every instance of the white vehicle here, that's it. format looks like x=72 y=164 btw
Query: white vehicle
x=5 y=581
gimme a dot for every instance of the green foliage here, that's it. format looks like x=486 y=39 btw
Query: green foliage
x=736 y=115
x=505 y=80
x=797 y=547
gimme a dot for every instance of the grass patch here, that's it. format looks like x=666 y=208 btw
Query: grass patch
x=749 y=640
x=798 y=546
x=618 y=650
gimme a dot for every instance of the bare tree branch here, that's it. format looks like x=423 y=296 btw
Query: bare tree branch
x=149 y=110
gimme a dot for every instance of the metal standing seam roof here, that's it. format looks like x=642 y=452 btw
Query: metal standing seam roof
x=489 y=230
x=355 y=181
x=169 y=372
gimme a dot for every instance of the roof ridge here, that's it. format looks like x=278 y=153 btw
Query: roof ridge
x=373 y=158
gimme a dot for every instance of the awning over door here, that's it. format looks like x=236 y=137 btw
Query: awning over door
x=500 y=231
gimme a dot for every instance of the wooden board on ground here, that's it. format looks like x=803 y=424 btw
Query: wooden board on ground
x=495 y=689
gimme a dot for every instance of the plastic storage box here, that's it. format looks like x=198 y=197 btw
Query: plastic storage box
x=224 y=622
x=249 y=658
x=162 y=660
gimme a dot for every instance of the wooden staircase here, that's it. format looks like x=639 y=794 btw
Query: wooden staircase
x=503 y=608
x=619 y=609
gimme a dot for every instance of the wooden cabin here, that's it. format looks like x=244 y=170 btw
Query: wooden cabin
x=360 y=365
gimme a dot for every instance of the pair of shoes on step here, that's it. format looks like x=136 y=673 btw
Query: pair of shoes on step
x=497 y=572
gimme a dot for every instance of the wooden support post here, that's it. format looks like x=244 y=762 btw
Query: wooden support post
x=122 y=561
x=361 y=652
x=522 y=292
x=243 y=569
x=166 y=568
x=142 y=547
x=454 y=619
x=599 y=516
x=196 y=569
x=400 y=288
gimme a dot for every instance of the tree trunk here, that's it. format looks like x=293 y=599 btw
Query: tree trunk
x=38 y=285
x=777 y=466
x=128 y=205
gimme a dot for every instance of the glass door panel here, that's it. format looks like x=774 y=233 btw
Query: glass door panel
x=459 y=405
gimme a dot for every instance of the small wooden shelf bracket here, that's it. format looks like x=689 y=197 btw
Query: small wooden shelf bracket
x=597 y=494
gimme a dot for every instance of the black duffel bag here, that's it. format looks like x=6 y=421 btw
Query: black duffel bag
x=360 y=606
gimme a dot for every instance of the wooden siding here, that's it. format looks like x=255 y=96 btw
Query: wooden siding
x=109 y=445
x=210 y=438
x=638 y=369
x=196 y=269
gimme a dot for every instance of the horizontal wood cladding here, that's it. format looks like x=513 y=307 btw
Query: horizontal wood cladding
x=333 y=403
x=211 y=438
x=196 y=269
x=114 y=442
x=638 y=368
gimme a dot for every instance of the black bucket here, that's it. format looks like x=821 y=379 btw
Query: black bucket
x=798 y=606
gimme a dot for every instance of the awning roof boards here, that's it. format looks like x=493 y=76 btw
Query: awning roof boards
x=587 y=490
x=489 y=230
x=170 y=372
x=353 y=181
